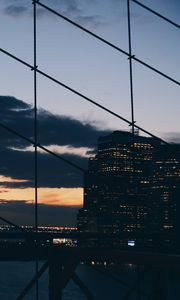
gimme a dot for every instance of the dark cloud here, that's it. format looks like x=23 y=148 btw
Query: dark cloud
x=53 y=215
x=89 y=20
x=52 y=172
x=70 y=8
x=52 y=130
x=76 y=10
x=15 y=10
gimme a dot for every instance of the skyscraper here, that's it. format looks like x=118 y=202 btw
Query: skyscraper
x=131 y=192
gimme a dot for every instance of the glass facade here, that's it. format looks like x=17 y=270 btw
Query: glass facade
x=131 y=191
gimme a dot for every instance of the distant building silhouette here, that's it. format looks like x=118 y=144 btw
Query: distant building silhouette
x=131 y=192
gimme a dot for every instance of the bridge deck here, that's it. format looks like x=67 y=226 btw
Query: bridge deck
x=15 y=252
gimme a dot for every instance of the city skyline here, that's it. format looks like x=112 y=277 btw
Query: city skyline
x=73 y=65
x=131 y=192
x=57 y=189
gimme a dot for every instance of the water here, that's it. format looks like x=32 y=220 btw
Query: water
x=131 y=281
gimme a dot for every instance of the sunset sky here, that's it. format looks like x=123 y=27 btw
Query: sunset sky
x=67 y=124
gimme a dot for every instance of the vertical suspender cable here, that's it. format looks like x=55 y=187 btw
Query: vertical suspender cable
x=131 y=82
x=35 y=120
x=131 y=97
x=130 y=66
x=35 y=143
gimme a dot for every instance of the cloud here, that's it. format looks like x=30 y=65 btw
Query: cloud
x=88 y=13
x=53 y=215
x=70 y=8
x=90 y=20
x=15 y=10
x=80 y=151
x=52 y=129
x=75 y=141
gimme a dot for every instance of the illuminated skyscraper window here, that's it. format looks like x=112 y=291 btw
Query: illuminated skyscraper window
x=131 y=189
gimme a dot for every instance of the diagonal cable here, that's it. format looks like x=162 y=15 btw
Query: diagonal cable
x=42 y=147
x=12 y=224
x=86 y=291
x=156 y=13
x=107 y=42
x=33 y=281
x=83 y=96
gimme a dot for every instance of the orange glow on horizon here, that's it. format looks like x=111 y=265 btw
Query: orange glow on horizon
x=50 y=196
x=5 y=179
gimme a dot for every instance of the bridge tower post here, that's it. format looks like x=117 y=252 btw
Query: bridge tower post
x=55 y=280
x=60 y=272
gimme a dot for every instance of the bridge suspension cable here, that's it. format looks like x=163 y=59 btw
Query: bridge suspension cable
x=108 y=43
x=83 y=96
x=157 y=14
x=42 y=147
